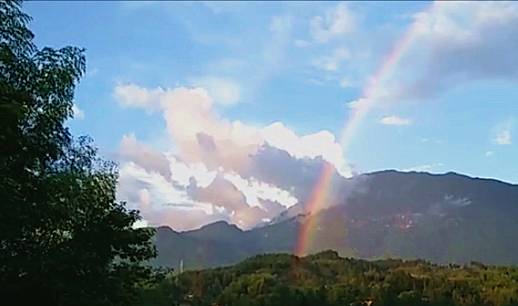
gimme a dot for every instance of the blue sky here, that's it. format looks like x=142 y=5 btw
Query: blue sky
x=450 y=104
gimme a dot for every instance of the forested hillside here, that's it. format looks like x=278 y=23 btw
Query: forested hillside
x=325 y=279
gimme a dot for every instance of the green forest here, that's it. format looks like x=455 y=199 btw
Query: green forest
x=325 y=279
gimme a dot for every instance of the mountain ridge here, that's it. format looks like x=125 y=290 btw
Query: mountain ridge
x=446 y=217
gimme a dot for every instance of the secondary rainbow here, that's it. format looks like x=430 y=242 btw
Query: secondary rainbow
x=360 y=108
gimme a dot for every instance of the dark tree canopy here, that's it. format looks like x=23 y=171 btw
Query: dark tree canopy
x=64 y=239
x=325 y=279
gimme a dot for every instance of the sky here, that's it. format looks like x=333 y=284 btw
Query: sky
x=229 y=110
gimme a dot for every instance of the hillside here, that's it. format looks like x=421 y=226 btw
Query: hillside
x=325 y=279
x=443 y=218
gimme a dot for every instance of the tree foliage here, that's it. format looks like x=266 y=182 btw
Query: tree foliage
x=64 y=239
x=326 y=279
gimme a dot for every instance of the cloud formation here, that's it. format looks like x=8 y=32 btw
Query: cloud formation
x=395 y=120
x=218 y=169
x=503 y=134
x=455 y=43
x=215 y=168
x=131 y=95
x=224 y=91
x=503 y=137
x=334 y=23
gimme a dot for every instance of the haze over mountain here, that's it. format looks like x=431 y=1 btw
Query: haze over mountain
x=442 y=218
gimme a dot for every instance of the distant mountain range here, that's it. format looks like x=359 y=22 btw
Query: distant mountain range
x=442 y=218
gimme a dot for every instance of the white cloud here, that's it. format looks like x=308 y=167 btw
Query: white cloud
x=395 y=120
x=425 y=167
x=240 y=206
x=358 y=104
x=503 y=137
x=130 y=95
x=207 y=151
x=503 y=132
x=151 y=160
x=333 y=61
x=223 y=91
x=455 y=43
x=321 y=144
x=254 y=191
x=335 y=22
x=185 y=174
x=159 y=189
x=78 y=113
x=202 y=136
x=183 y=202
x=161 y=201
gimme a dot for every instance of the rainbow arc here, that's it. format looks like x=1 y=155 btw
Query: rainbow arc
x=320 y=191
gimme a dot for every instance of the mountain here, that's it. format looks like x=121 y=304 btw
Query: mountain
x=438 y=217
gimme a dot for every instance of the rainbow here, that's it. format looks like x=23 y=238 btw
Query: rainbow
x=320 y=191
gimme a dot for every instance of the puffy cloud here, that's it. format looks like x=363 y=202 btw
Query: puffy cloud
x=454 y=43
x=224 y=91
x=358 y=104
x=215 y=169
x=163 y=202
x=145 y=156
x=131 y=95
x=335 y=22
x=171 y=200
x=202 y=136
x=503 y=132
x=244 y=204
x=222 y=193
x=395 y=120
x=255 y=191
x=321 y=144
x=503 y=137
x=297 y=175
x=185 y=174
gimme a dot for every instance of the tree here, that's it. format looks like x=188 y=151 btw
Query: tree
x=64 y=239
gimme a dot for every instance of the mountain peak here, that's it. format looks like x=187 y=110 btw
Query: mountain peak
x=220 y=225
